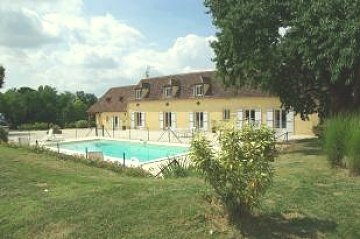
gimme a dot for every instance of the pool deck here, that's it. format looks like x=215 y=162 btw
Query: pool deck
x=74 y=135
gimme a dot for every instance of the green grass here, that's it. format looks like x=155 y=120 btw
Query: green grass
x=308 y=199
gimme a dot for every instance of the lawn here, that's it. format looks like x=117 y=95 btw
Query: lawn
x=43 y=197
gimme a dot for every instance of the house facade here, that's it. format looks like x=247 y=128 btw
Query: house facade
x=191 y=101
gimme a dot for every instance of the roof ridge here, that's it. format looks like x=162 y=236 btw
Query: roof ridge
x=179 y=74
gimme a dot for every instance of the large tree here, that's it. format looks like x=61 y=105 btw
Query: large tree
x=2 y=75
x=307 y=52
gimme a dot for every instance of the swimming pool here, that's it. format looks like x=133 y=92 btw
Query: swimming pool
x=140 y=151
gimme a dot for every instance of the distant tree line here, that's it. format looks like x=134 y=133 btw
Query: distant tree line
x=28 y=106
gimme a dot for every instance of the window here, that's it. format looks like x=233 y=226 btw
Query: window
x=138 y=119
x=137 y=94
x=116 y=122
x=167 y=120
x=167 y=91
x=250 y=116
x=280 y=119
x=226 y=114
x=198 y=90
x=199 y=120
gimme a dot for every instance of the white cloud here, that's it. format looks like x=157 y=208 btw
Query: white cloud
x=61 y=46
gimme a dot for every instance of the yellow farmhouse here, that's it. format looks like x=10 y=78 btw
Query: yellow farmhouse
x=185 y=102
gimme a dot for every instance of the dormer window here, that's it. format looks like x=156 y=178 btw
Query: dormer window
x=138 y=94
x=121 y=99
x=167 y=91
x=108 y=99
x=198 y=90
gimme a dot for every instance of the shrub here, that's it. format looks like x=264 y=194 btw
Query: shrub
x=240 y=172
x=34 y=126
x=336 y=130
x=82 y=124
x=70 y=125
x=178 y=168
x=3 y=135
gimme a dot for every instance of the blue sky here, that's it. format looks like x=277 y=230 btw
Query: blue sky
x=93 y=45
x=161 y=21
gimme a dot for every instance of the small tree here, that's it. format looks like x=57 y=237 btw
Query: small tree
x=240 y=171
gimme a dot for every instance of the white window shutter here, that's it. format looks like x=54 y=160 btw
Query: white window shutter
x=191 y=120
x=270 y=118
x=161 y=120
x=257 y=117
x=240 y=117
x=290 y=122
x=173 y=120
x=132 y=119
x=206 y=120
x=143 y=120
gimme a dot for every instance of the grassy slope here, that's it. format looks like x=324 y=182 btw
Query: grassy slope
x=307 y=200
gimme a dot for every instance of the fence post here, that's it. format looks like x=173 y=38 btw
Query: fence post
x=96 y=131
x=124 y=159
x=103 y=130
x=86 y=152
x=58 y=147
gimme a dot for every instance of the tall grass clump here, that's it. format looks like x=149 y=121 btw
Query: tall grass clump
x=342 y=141
x=336 y=131
x=352 y=159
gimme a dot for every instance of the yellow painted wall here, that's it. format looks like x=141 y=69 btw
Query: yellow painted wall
x=215 y=108
x=106 y=117
x=305 y=126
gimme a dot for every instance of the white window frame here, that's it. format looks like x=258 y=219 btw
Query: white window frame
x=199 y=120
x=199 y=90
x=249 y=116
x=280 y=119
x=167 y=91
x=138 y=94
x=167 y=120
x=138 y=119
x=116 y=122
x=226 y=114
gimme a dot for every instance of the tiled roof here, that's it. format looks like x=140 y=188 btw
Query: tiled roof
x=187 y=81
x=114 y=100
x=111 y=102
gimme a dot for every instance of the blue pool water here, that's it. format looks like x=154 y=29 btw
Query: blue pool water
x=143 y=151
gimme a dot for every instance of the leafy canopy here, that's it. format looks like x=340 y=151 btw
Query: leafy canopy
x=2 y=75
x=306 y=52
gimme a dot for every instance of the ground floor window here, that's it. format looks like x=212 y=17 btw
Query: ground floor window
x=138 y=119
x=226 y=114
x=250 y=116
x=280 y=119
x=167 y=120
x=199 y=119
x=116 y=122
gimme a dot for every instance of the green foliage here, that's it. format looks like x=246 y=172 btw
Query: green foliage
x=342 y=140
x=3 y=135
x=34 y=126
x=353 y=151
x=82 y=124
x=240 y=172
x=313 y=66
x=335 y=140
x=2 y=75
x=27 y=106
x=178 y=168
x=115 y=166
